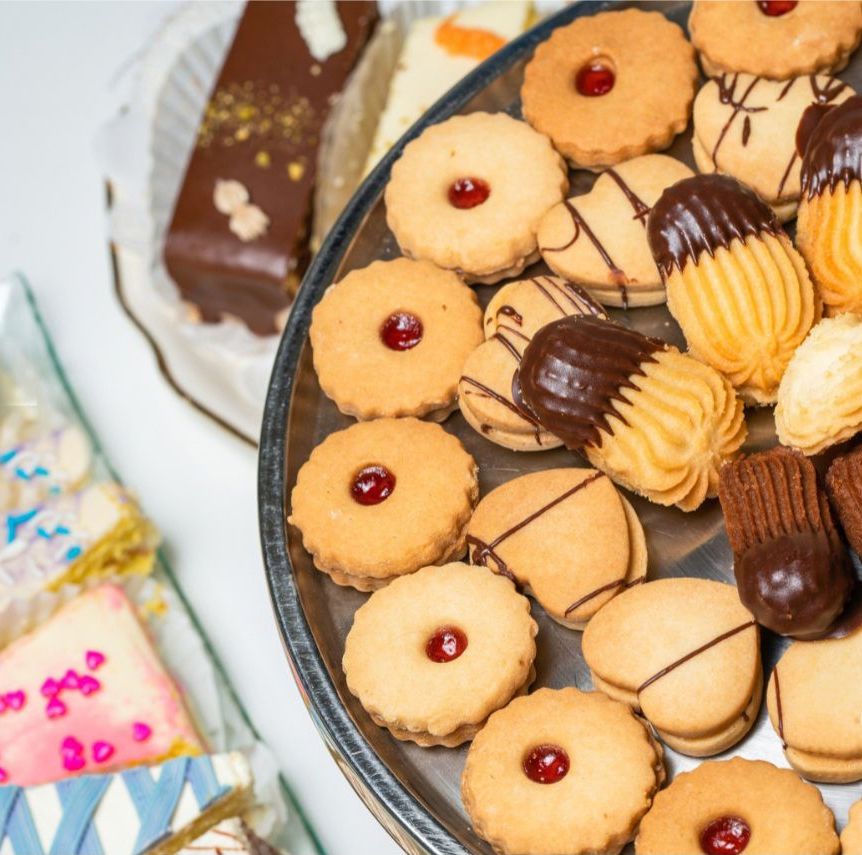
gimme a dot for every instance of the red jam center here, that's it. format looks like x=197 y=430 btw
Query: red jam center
x=546 y=764
x=776 y=8
x=468 y=192
x=727 y=835
x=595 y=79
x=446 y=644
x=372 y=485
x=401 y=331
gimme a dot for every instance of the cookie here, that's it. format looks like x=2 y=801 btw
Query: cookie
x=599 y=238
x=843 y=484
x=820 y=396
x=525 y=529
x=432 y=655
x=384 y=498
x=485 y=392
x=561 y=772
x=735 y=283
x=851 y=837
x=657 y=421
x=391 y=339
x=686 y=654
x=457 y=195
x=726 y=807
x=611 y=86
x=814 y=700
x=792 y=570
x=777 y=39
x=745 y=126
x=829 y=229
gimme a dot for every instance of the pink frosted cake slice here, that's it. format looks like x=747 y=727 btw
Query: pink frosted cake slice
x=86 y=693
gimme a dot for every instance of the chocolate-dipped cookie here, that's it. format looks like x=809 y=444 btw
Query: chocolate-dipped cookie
x=791 y=567
x=844 y=486
x=735 y=284
x=655 y=420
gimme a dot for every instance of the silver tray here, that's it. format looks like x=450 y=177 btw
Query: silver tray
x=414 y=791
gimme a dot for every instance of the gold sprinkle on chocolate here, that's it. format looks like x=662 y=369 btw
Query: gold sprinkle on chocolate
x=315 y=70
x=262 y=159
x=295 y=170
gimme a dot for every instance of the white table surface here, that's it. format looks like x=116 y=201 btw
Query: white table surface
x=57 y=66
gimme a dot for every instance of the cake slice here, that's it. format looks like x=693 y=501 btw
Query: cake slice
x=86 y=692
x=230 y=836
x=143 y=811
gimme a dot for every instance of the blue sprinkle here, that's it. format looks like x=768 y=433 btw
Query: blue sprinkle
x=41 y=470
x=8 y=455
x=44 y=533
x=23 y=474
x=73 y=553
x=61 y=529
x=13 y=522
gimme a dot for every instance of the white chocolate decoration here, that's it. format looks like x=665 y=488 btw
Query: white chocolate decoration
x=247 y=221
x=320 y=26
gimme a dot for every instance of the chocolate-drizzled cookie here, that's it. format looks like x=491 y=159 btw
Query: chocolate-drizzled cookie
x=655 y=420
x=735 y=283
x=791 y=567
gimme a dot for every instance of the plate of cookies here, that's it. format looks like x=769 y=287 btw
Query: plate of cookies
x=559 y=497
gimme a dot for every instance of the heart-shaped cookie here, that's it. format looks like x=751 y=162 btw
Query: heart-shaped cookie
x=685 y=653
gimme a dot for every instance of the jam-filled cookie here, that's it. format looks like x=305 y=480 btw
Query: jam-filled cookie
x=727 y=807
x=820 y=396
x=611 y=86
x=657 y=421
x=686 y=654
x=851 y=837
x=735 y=283
x=432 y=655
x=457 y=195
x=563 y=772
x=599 y=239
x=814 y=699
x=777 y=39
x=525 y=529
x=485 y=392
x=384 y=498
x=391 y=339
x=791 y=567
x=829 y=229
x=746 y=126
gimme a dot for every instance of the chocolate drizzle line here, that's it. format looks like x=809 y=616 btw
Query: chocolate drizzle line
x=726 y=93
x=510 y=405
x=778 y=708
x=833 y=154
x=641 y=209
x=619 y=583
x=689 y=656
x=510 y=312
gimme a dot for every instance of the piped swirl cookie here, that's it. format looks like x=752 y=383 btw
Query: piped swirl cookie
x=655 y=420
x=775 y=38
x=384 y=498
x=829 y=229
x=746 y=126
x=611 y=86
x=457 y=196
x=525 y=529
x=735 y=284
x=390 y=339
x=599 y=238
x=432 y=655
x=686 y=654
x=561 y=772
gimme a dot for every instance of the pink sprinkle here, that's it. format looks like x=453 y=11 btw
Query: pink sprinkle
x=55 y=708
x=71 y=746
x=2 y=705
x=15 y=700
x=141 y=731
x=88 y=684
x=94 y=659
x=70 y=680
x=4 y=776
x=73 y=762
x=50 y=688
x=102 y=751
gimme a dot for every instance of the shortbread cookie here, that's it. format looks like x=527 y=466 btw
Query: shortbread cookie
x=844 y=485
x=829 y=230
x=726 y=807
x=655 y=420
x=384 y=498
x=458 y=196
x=815 y=705
x=561 y=772
x=791 y=568
x=391 y=339
x=777 y=39
x=820 y=396
x=432 y=655
x=745 y=126
x=525 y=529
x=611 y=86
x=735 y=283
x=485 y=392
x=685 y=653
x=599 y=238
x=851 y=837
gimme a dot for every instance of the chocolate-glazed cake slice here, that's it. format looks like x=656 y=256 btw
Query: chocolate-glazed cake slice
x=844 y=485
x=791 y=567
x=237 y=245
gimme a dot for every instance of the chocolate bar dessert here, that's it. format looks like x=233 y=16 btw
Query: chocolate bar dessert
x=237 y=245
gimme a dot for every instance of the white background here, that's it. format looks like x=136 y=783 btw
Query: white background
x=58 y=67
